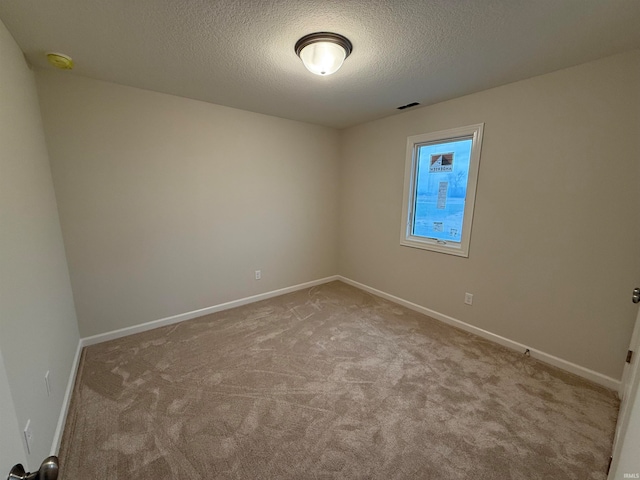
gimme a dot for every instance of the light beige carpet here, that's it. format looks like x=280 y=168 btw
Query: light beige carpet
x=325 y=383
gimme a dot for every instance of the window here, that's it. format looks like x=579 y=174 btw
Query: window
x=441 y=171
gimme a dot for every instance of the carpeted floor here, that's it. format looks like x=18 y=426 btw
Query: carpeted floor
x=329 y=382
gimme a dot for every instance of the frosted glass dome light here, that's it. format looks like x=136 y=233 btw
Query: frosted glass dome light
x=323 y=53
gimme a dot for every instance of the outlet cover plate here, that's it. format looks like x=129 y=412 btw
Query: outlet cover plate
x=28 y=436
x=47 y=382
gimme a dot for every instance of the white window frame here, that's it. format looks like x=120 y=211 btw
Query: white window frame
x=410 y=180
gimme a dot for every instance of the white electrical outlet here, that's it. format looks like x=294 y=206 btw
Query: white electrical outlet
x=28 y=436
x=258 y=274
x=468 y=298
x=47 y=382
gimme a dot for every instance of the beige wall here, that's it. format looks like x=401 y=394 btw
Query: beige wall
x=11 y=449
x=555 y=242
x=38 y=329
x=169 y=205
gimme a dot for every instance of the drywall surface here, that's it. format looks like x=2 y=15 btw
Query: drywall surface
x=11 y=449
x=38 y=328
x=169 y=205
x=555 y=238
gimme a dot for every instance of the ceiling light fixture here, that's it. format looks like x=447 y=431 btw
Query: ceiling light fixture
x=323 y=52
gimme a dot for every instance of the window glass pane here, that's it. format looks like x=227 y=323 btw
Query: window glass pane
x=441 y=189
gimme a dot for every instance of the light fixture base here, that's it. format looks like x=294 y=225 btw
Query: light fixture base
x=324 y=37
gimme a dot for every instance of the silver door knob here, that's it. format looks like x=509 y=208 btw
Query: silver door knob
x=47 y=471
x=636 y=295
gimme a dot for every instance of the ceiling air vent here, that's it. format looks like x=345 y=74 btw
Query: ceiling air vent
x=408 y=105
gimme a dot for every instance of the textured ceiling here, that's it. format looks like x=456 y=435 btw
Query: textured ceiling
x=240 y=53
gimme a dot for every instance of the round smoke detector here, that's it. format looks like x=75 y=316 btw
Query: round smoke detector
x=60 y=60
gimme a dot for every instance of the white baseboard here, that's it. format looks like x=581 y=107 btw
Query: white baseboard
x=143 y=327
x=576 y=369
x=62 y=419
